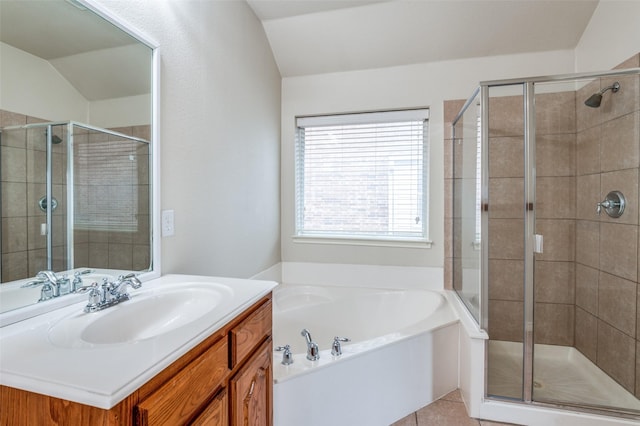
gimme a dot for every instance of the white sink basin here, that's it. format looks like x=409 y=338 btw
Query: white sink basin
x=148 y=314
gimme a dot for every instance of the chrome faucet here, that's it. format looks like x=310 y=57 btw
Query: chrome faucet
x=95 y=297
x=119 y=288
x=313 y=353
x=108 y=294
x=287 y=356
x=77 y=279
x=51 y=284
x=336 y=348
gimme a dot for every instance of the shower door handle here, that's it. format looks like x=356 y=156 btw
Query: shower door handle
x=538 y=243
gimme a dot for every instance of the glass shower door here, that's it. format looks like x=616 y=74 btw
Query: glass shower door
x=506 y=241
x=29 y=156
x=467 y=166
x=586 y=271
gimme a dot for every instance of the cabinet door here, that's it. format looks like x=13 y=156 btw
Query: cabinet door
x=179 y=399
x=252 y=390
x=216 y=413
x=246 y=336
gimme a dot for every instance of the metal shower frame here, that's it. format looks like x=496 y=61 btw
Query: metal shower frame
x=69 y=205
x=528 y=85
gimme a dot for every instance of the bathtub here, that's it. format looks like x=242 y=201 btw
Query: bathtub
x=402 y=354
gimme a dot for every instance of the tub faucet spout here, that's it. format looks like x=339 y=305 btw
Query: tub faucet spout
x=313 y=353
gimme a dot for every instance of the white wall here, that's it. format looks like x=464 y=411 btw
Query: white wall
x=217 y=71
x=220 y=134
x=120 y=112
x=31 y=86
x=398 y=87
x=612 y=36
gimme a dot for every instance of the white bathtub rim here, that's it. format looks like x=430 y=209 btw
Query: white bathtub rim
x=284 y=373
x=442 y=317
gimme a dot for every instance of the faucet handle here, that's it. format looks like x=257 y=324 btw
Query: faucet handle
x=46 y=292
x=95 y=296
x=78 y=274
x=33 y=283
x=47 y=276
x=86 y=288
x=336 y=348
x=131 y=278
x=77 y=279
x=287 y=356
x=42 y=277
x=93 y=289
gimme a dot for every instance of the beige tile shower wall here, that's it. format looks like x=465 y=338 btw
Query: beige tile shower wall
x=607 y=255
x=587 y=288
x=23 y=182
x=554 y=277
x=451 y=109
x=139 y=240
x=555 y=274
x=23 y=251
x=122 y=250
x=506 y=219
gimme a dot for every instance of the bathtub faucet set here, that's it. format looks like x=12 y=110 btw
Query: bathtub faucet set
x=313 y=353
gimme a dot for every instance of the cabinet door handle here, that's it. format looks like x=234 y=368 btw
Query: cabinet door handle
x=259 y=374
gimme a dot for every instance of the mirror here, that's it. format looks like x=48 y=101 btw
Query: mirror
x=76 y=127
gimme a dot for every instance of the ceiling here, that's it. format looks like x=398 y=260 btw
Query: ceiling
x=98 y=59
x=306 y=36
x=323 y=36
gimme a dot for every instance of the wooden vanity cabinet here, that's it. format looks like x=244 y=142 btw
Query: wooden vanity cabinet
x=225 y=380
x=216 y=413
x=251 y=393
x=181 y=397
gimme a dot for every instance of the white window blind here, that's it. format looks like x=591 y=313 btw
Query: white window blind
x=106 y=184
x=362 y=176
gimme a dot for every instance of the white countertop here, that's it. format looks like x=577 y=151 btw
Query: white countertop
x=101 y=375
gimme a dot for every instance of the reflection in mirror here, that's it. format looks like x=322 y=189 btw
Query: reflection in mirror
x=75 y=151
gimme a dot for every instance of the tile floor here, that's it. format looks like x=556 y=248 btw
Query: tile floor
x=447 y=411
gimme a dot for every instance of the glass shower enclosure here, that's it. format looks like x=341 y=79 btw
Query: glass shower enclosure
x=73 y=195
x=546 y=236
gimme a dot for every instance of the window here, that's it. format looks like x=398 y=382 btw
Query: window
x=363 y=176
x=106 y=182
x=478 y=237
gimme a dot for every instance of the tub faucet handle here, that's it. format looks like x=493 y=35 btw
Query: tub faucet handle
x=287 y=356
x=336 y=348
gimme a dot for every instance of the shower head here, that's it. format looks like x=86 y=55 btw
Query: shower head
x=595 y=99
x=55 y=139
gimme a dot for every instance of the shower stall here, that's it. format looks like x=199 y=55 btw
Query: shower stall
x=545 y=224
x=73 y=195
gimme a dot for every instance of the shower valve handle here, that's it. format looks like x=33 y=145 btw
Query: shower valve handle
x=607 y=204
x=613 y=204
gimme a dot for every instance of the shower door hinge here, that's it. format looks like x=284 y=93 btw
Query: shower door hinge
x=538 y=246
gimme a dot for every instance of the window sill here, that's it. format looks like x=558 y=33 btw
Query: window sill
x=372 y=242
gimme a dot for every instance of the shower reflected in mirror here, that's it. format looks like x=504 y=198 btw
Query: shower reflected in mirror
x=595 y=99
